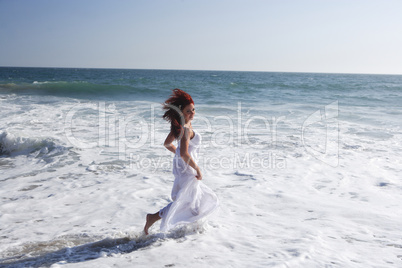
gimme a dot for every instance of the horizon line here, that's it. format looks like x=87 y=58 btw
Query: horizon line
x=202 y=70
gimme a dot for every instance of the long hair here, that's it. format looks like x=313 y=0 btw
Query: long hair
x=174 y=106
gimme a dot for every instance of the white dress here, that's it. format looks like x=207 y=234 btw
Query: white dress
x=192 y=199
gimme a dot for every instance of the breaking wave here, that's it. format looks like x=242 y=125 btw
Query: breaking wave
x=12 y=145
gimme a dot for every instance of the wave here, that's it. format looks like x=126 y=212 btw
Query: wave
x=11 y=145
x=75 y=89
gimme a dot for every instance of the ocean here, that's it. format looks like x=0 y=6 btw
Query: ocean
x=306 y=166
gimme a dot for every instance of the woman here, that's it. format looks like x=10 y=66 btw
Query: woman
x=192 y=200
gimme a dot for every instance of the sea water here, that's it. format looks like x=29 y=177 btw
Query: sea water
x=306 y=166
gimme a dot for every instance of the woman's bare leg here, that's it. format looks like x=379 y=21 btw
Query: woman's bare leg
x=151 y=219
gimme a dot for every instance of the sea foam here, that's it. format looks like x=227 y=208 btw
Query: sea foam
x=13 y=145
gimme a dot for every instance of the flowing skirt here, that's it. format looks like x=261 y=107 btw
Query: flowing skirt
x=192 y=201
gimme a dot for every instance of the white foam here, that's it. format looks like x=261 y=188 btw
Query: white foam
x=294 y=210
x=14 y=145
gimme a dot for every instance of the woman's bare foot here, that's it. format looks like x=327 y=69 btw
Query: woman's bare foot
x=151 y=219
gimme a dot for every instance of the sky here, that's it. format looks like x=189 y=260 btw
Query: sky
x=324 y=36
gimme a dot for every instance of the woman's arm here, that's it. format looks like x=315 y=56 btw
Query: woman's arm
x=169 y=143
x=185 y=155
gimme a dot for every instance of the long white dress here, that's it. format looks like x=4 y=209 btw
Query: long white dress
x=192 y=199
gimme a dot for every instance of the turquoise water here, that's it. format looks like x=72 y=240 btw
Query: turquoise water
x=207 y=87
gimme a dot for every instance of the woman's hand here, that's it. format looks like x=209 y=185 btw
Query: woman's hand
x=199 y=175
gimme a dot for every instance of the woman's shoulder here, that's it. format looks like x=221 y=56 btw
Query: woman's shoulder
x=189 y=132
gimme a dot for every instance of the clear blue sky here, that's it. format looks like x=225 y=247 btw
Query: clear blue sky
x=341 y=36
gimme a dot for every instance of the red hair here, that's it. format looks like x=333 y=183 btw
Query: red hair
x=173 y=106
